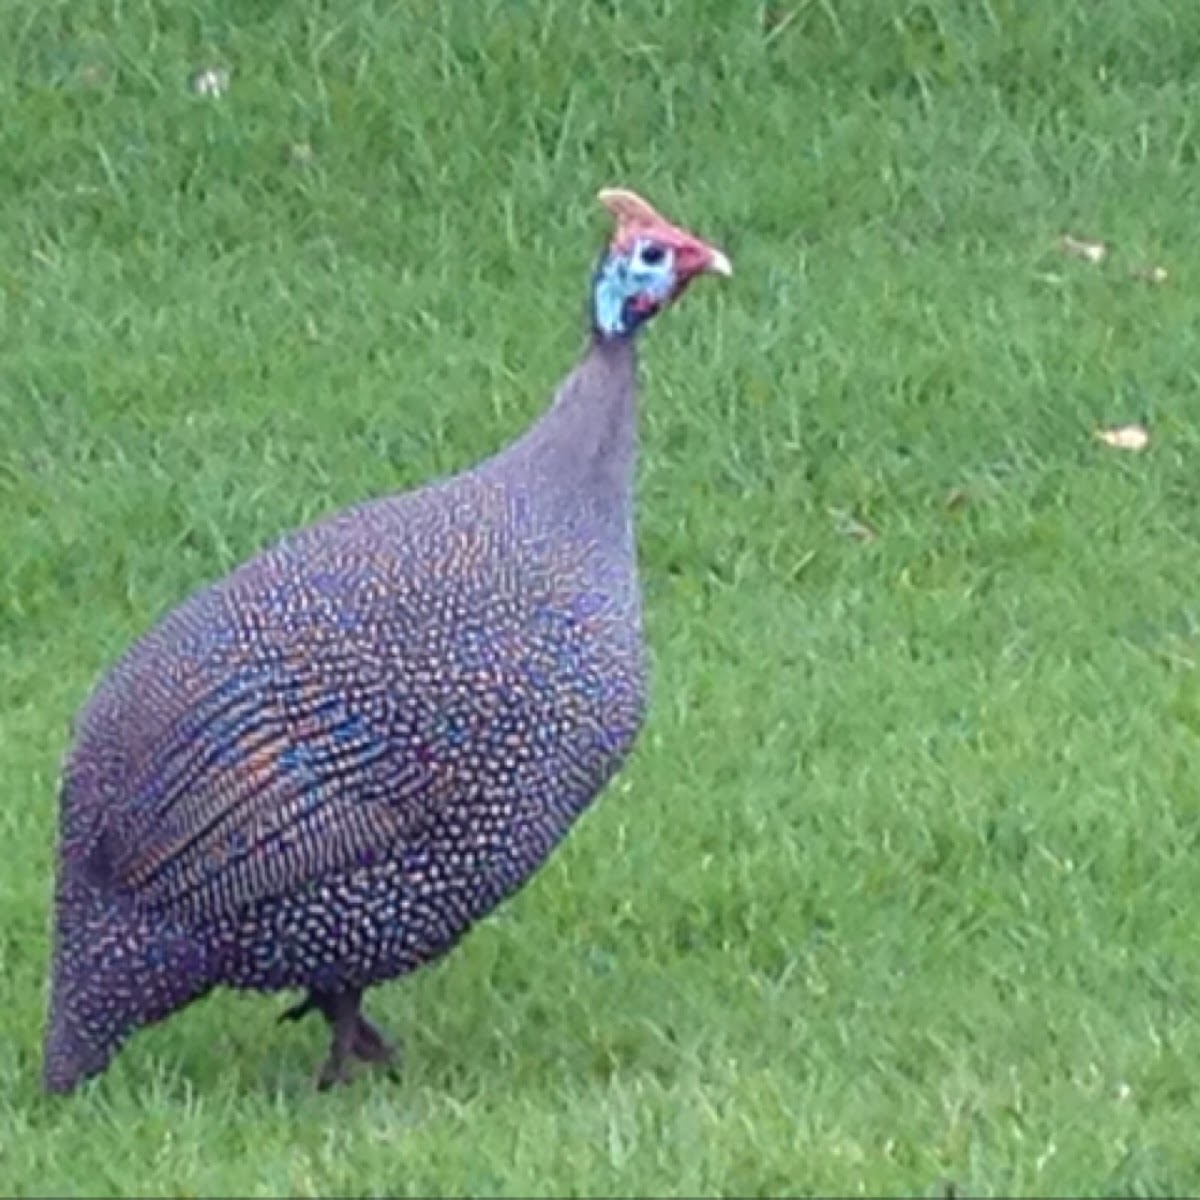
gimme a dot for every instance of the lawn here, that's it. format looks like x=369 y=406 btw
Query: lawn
x=900 y=891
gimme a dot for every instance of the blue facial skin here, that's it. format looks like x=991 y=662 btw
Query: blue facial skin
x=644 y=274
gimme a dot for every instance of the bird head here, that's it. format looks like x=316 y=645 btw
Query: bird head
x=647 y=264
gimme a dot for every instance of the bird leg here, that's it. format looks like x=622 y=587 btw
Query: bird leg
x=353 y=1035
x=344 y=1020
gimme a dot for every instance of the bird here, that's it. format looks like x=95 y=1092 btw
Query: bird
x=319 y=772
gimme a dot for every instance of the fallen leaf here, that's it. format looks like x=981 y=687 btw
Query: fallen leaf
x=957 y=498
x=300 y=154
x=1092 y=251
x=210 y=81
x=776 y=20
x=1125 y=437
x=1150 y=274
x=850 y=526
x=94 y=75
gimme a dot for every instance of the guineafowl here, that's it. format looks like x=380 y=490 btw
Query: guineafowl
x=320 y=772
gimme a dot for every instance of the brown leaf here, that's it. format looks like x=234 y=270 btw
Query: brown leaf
x=851 y=526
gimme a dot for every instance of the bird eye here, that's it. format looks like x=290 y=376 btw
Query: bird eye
x=652 y=255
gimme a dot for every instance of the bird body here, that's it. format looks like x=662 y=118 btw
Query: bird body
x=321 y=771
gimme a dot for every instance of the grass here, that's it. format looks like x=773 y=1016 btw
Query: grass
x=900 y=891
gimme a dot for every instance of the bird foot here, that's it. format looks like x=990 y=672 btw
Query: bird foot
x=364 y=1043
x=370 y=1046
x=333 y=1072
x=354 y=1037
x=298 y=1011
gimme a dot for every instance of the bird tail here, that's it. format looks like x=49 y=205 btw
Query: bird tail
x=114 y=970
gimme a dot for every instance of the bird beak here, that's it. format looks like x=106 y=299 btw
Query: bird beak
x=718 y=264
x=696 y=257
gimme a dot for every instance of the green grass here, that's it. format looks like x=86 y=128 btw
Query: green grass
x=901 y=889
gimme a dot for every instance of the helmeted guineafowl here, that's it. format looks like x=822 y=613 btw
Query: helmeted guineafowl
x=321 y=771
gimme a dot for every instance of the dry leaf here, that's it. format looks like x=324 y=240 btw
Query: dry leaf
x=776 y=20
x=1150 y=274
x=957 y=498
x=94 y=75
x=300 y=154
x=1093 y=252
x=210 y=81
x=850 y=526
x=1125 y=437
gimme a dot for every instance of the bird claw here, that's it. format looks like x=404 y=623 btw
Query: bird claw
x=333 y=1073
x=298 y=1010
x=370 y=1046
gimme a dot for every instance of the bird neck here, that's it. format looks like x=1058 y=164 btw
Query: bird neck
x=583 y=449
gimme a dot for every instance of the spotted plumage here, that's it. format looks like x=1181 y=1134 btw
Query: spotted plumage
x=322 y=770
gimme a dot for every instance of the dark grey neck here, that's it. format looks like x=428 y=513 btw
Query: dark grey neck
x=582 y=452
